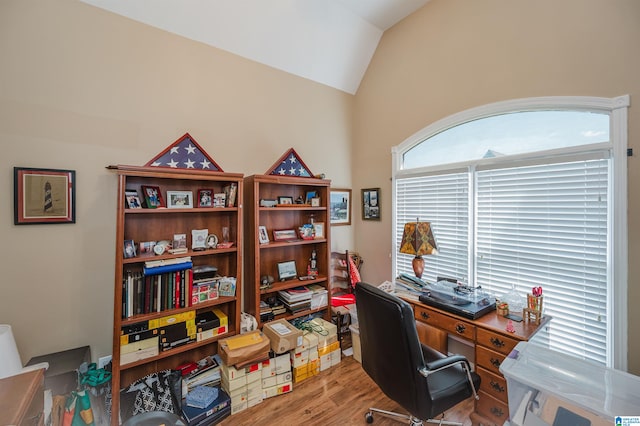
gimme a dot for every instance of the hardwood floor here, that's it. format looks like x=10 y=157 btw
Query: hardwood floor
x=340 y=395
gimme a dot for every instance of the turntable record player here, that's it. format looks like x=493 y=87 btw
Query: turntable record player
x=459 y=299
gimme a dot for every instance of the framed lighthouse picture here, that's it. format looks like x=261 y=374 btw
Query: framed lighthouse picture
x=44 y=196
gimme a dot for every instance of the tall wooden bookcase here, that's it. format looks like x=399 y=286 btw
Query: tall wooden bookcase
x=262 y=258
x=156 y=224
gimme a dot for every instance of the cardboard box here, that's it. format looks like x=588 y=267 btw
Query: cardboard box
x=172 y=319
x=243 y=348
x=284 y=378
x=283 y=363
x=329 y=348
x=355 y=342
x=299 y=358
x=283 y=336
x=277 y=390
x=234 y=384
x=327 y=332
x=269 y=382
x=138 y=355
x=61 y=377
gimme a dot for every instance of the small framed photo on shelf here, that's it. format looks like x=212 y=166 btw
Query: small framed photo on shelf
x=268 y=202
x=287 y=270
x=179 y=199
x=306 y=231
x=44 y=196
x=315 y=202
x=371 y=204
x=212 y=241
x=285 y=200
x=129 y=249
x=219 y=199
x=284 y=235
x=147 y=246
x=132 y=199
x=179 y=241
x=199 y=239
x=152 y=197
x=263 y=236
x=205 y=198
x=319 y=229
x=310 y=196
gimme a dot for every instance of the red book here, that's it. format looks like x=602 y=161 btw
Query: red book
x=177 y=296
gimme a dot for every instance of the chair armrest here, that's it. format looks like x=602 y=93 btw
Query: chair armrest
x=447 y=362
x=450 y=361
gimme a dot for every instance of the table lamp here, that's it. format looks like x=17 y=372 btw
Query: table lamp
x=418 y=240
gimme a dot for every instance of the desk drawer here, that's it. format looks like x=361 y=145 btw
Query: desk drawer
x=489 y=359
x=444 y=322
x=493 y=384
x=494 y=410
x=495 y=341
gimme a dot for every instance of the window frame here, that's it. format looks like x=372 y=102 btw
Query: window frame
x=617 y=108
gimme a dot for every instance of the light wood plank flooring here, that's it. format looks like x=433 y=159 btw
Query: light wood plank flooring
x=340 y=395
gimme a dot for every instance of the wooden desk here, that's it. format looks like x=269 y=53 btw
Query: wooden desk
x=22 y=399
x=492 y=344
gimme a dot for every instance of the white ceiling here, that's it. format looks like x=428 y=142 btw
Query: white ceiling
x=327 y=41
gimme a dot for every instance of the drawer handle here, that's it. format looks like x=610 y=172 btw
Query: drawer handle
x=460 y=328
x=497 y=342
x=425 y=315
x=497 y=411
x=496 y=386
x=495 y=362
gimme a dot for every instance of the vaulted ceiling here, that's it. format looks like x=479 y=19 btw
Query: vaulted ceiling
x=327 y=41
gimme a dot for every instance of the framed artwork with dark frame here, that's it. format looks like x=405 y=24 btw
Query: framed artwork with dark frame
x=340 y=206
x=44 y=196
x=371 y=204
x=285 y=200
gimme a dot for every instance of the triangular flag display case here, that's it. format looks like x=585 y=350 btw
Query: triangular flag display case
x=185 y=153
x=288 y=239
x=154 y=310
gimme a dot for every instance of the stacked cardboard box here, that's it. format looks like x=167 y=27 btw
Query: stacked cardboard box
x=243 y=385
x=276 y=376
x=304 y=358
x=328 y=344
x=210 y=324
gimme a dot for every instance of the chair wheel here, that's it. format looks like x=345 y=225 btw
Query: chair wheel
x=369 y=417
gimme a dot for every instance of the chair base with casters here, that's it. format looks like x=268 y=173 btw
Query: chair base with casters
x=421 y=380
x=413 y=421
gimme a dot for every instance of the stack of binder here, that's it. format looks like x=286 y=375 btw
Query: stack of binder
x=296 y=299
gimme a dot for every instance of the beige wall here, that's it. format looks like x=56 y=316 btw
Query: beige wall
x=453 y=55
x=80 y=89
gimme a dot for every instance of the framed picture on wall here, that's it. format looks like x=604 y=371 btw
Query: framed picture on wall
x=340 y=206
x=371 y=204
x=44 y=196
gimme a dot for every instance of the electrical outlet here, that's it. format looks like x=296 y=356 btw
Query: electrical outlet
x=104 y=361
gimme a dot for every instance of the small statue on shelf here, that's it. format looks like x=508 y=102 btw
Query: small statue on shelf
x=312 y=268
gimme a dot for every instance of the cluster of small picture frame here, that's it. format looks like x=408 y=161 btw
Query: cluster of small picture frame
x=152 y=198
x=308 y=231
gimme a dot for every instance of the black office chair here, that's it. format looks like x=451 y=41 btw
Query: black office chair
x=421 y=380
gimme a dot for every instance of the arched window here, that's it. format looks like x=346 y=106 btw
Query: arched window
x=528 y=193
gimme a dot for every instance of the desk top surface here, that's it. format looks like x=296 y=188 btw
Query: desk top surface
x=524 y=330
x=16 y=394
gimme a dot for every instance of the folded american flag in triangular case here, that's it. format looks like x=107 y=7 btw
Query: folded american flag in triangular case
x=290 y=164
x=185 y=153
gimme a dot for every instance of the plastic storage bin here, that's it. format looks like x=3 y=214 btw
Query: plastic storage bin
x=547 y=387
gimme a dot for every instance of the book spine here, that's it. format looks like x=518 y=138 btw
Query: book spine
x=166 y=268
x=177 y=292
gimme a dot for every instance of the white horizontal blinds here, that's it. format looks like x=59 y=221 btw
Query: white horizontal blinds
x=442 y=200
x=546 y=225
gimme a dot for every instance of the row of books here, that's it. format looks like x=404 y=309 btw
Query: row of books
x=143 y=294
